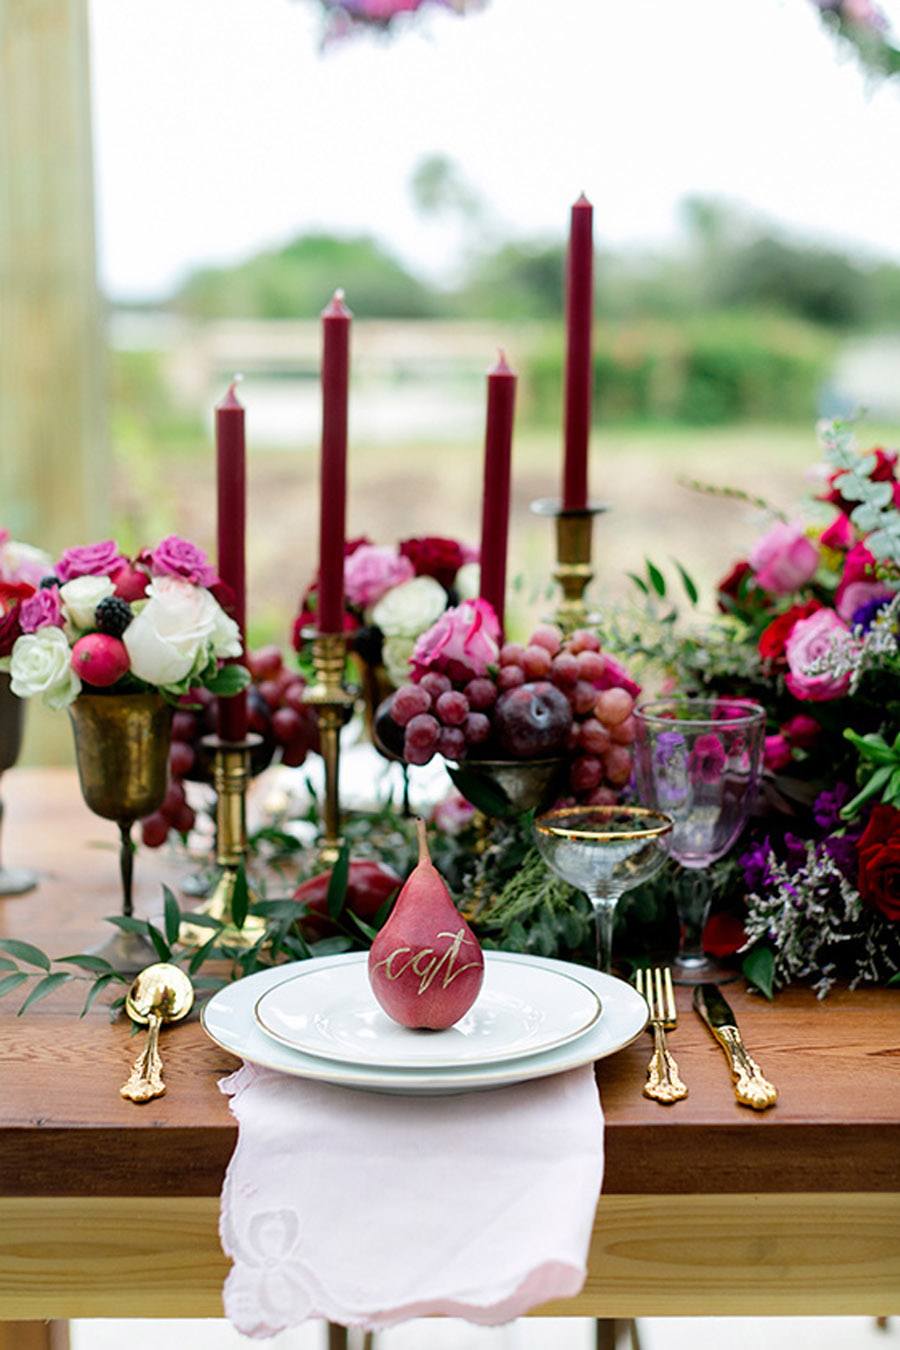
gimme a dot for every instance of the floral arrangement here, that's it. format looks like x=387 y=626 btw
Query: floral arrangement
x=863 y=28
x=393 y=594
x=344 y=17
x=808 y=627
x=22 y=567
x=99 y=621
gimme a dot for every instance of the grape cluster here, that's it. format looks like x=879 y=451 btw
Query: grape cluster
x=551 y=695
x=275 y=711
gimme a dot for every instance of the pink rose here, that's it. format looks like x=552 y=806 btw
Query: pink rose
x=370 y=572
x=707 y=758
x=453 y=814
x=90 y=560
x=462 y=644
x=42 y=610
x=130 y=582
x=802 y=731
x=784 y=559
x=813 y=640
x=840 y=533
x=857 y=595
x=177 y=557
x=776 y=753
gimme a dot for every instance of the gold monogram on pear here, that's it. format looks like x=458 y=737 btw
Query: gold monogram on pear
x=427 y=964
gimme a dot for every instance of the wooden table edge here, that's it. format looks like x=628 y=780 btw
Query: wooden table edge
x=806 y=1254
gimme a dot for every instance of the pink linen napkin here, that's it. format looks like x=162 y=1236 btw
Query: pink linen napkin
x=368 y=1209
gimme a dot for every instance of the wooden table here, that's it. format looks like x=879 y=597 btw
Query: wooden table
x=107 y=1209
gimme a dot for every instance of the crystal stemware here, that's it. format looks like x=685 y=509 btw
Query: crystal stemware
x=699 y=759
x=603 y=851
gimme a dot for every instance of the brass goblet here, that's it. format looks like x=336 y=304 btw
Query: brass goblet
x=122 y=752
x=13 y=880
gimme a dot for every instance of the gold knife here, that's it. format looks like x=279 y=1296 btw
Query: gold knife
x=750 y=1087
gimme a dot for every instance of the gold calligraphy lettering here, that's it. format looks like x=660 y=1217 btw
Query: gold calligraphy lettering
x=426 y=964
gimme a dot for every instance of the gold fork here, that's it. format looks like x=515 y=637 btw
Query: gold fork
x=663 y=1081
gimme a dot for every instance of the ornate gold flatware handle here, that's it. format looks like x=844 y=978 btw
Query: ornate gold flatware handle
x=145 y=1080
x=751 y=1087
x=663 y=1080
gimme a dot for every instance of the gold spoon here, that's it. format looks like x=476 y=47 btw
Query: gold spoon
x=160 y=993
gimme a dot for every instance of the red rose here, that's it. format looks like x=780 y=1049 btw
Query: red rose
x=879 y=862
x=10 y=629
x=723 y=935
x=434 y=557
x=774 y=636
x=730 y=587
x=11 y=592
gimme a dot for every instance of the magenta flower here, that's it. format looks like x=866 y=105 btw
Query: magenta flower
x=463 y=642
x=41 y=610
x=707 y=758
x=370 y=572
x=89 y=560
x=812 y=641
x=177 y=557
x=784 y=559
x=777 y=753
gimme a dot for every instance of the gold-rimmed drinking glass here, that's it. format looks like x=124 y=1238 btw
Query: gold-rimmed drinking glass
x=603 y=851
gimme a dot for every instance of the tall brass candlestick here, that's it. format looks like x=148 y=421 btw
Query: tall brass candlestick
x=333 y=705
x=574 y=547
x=231 y=778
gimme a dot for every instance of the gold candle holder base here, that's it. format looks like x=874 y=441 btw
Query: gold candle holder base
x=574 y=547
x=231 y=777
x=333 y=704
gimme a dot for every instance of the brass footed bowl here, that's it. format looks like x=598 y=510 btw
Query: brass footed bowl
x=12 y=716
x=122 y=752
x=508 y=787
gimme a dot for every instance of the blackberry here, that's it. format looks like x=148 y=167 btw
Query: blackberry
x=367 y=643
x=48 y=582
x=112 y=616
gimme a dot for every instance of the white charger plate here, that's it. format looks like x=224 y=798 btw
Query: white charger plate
x=228 y=1020
x=331 y=1012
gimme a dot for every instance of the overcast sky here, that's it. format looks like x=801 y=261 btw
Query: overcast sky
x=221 y=127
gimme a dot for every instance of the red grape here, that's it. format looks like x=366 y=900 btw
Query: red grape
x=265 y=663
x=477 y=728
x=582 y=697
x=510 y=677
x=585 y=773
x=184 y=821
x=181 y=759
x=613 y=706
x=481 y=693
x=625 y=732
x=286 y=725
x=451 y=743
x=573 y=738
x=154 y=830
x=435 y=684
x=618 y=765
x=292 y=696
x=602 y=796
x=270 y=690
x=408 y=702
x=172 y=802
x=294 y=755
x=564 y=670
x=452 y=708
x=583 y=640
x=184 y=726
x=590 y=667
x=549 y=636
x=422 y=732
x=512 y=654
x=594 y=737
x=536 y=662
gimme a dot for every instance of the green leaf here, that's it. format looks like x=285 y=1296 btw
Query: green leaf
x=337 y=886
x=297 y=946
x=199 y=920
x=10 y=982
x=84 y=961
x=639 y=582
x=163 y=951
x=687 y=581
x=240 y=898
x=657 y=580
x=201 y=954
x=98 y=985
x=211 y=982
x=480 y=791
x=331 y=946
x=758 y=967
x=279 y=909
x=383 y=911
x=172 y=913
x=894 y=981
x=871 y=789
x=24 y=951
x=129 y=924
x=6 y=964
x=366 y=929
x=228 y=680
x=45 y=987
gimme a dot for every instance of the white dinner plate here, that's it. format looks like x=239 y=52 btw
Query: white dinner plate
x=229 y=1021
x=331 y=1012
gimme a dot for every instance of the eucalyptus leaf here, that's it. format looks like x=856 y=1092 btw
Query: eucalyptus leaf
x=240 y=898
x=84 y=961
x=24 y=951
x=97 y=987
x=129 y=924
x=331 y=946
x=172 y=913
x=201 y=954
x=44 y=987
x=337 y=886
x=10 y=982
x=163 y=950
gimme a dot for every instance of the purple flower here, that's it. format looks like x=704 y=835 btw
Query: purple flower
x=89 y=560
x=794 y=850
x=41 y=610
x=707 y=758
x=755 y=866
x=842 y=849
x=177 y=557
x=827 y=807
x=865 y=615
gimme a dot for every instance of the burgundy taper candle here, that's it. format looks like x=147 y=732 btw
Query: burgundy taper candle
x=336 y=321
x=231 y=479
x=501 y=401
x=579 y=371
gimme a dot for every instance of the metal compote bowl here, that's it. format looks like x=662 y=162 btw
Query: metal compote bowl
x=603 y=851
x=13 y=880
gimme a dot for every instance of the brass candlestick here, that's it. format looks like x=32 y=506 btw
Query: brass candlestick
x=333 y=704
x=231 y=777
x=574 y=546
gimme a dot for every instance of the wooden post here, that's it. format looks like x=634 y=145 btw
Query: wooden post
x=52 y=444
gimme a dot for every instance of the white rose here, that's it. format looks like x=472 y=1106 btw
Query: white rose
x=395 y=655
x=81 y=597
x=408 y=610
x=177 y=632
x=23 y=562
x=41 y=664
x=468 y=581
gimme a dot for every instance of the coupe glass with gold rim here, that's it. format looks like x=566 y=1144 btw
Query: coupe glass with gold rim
x=699 y=759
x=603 y=851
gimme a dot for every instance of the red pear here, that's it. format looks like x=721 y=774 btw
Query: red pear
x=425 y=966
